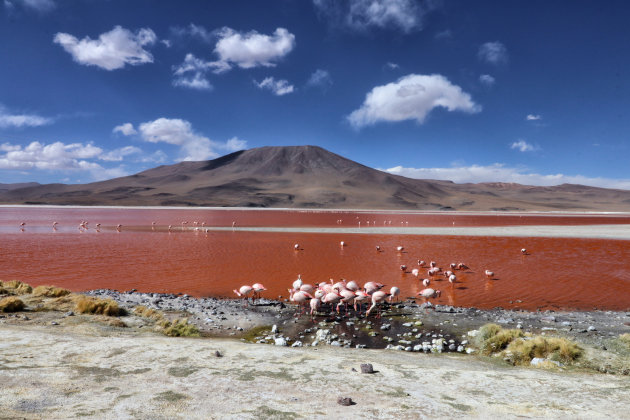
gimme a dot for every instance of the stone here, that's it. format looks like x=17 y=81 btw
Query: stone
x=591 y=328
x=274 y=329
x=280 y=341
x=69 y=313
x=407 y=324
x=321 y=334
x=469 y=350
x=335 y=344
x=345 y=401
x=386 y=327
x=218 y=353
x=367 y=368
x=417 y=347
x=297 y=344
x=460 y=349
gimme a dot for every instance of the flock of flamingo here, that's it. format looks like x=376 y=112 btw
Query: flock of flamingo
x=336 y=295
x=349 y=294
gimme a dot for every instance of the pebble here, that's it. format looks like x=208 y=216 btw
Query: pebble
x=345 y=401
x=280 y=341
x=297 y=344
x=367 y=368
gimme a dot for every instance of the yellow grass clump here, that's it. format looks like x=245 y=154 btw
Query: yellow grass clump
x=625 y=338
x=522 y=351
x=145 y=312
x=180 y=328
x=492 y=338
x=16 y=287
x=92 y=305
x=50 y=291
x=11 y=304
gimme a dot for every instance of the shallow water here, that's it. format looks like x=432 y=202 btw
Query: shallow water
x=557 y=273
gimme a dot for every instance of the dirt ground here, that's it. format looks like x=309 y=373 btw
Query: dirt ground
x=91 y=369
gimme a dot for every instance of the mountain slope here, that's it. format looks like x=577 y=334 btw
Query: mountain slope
x=309 y=176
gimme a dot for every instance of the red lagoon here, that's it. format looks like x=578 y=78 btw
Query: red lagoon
x=557 y=273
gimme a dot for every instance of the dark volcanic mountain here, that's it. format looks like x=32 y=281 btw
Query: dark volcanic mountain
x=308 y=176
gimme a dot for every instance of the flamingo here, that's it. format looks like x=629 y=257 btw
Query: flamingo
x=415 y=272
x=298 y=282
x=462 y=266
x=184 y=223
x=22 y=224
x=359 y=297
x=489 y=274
x=342 y=243
x=378 y=248
x=258 y=287
x=347 y=296
x=332 y=298
x=300 y=298
x=170 y=228
x=523 y=251
x=153 y=225
x=422 y=263
x=452 y=278
x=371 y=287
x=432 y=264
x=403 y=267
x=394 y=292
x=118 y=227
x=352 y=285
x=319 y=294
x=243 y=292
x=453 y=266
x=55 y=224
x=426 y=282
x=429 y=294
x=315 y=305
x=400 y=248
x=377 y=297
x=308 y=288
x=296 y=247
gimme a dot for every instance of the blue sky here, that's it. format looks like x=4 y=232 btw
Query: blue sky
x=534 y=92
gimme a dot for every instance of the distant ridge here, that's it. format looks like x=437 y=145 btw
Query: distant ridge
x=308 y=177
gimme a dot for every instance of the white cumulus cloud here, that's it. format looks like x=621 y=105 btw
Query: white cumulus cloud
x=411 y=97
x=125 y=129
x=533 y=117
x=112 y=50
x=486 y=79
x=251 y=49
x=179 y=132
x=118 y=155
x=523 y=146
x=493 y=53
x=362 y=15
x=498 y=172
x=278 y=87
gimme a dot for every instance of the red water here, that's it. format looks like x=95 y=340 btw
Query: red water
x=558 y=273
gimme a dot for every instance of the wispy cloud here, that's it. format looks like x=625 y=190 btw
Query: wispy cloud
x=320 y=78
x=486 y=79
x=533 y=117
x=493 y=53
x=16 y=120
x=41 y=6
x=112 y=50
x=523 y=146
x=362 y=15
x=411 y=97
x=278 y=87
x=501 y=173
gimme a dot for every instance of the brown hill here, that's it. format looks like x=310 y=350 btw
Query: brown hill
x=309 y=176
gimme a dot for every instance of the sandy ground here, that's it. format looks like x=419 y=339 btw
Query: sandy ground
x=100 y=372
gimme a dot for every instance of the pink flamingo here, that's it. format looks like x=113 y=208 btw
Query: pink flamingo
x=400 y=248
x=415 y=272
x=244 y=292
x=462 y=266
x=489 y=274
x=347 y=297
x=377 y=297
x=426 y=282
x=452 y=278
x=342 y=244
x=422 y=263
x=300 y=298
x=378 y=248
x=118 y=227
x=429 y=294
x=315 y=303
x=152 y=225
x=359 y=297
x=394 y=292
x=296 y=247
x=523 y=251
x=370 y=287
x=298 y=282
x=352 y=285
x=308 y=288
x=332 y=298
x=258 y=288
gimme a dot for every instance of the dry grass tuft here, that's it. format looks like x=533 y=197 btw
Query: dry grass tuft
x=625 y=338
x=522 y=351
x=180 y=328
x=145 y=312
x=11 y=304
x=492 y=338
x=50 y=291
x=92 y=305
x=16 y=287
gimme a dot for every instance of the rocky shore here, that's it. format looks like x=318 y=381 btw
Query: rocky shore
x=404 y=326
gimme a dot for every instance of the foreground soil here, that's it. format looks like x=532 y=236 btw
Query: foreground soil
x=98 y=372
x=61 y=365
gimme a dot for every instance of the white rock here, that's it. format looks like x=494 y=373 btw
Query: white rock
x=297 y=344
x=274 y=329
x=280 y=341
